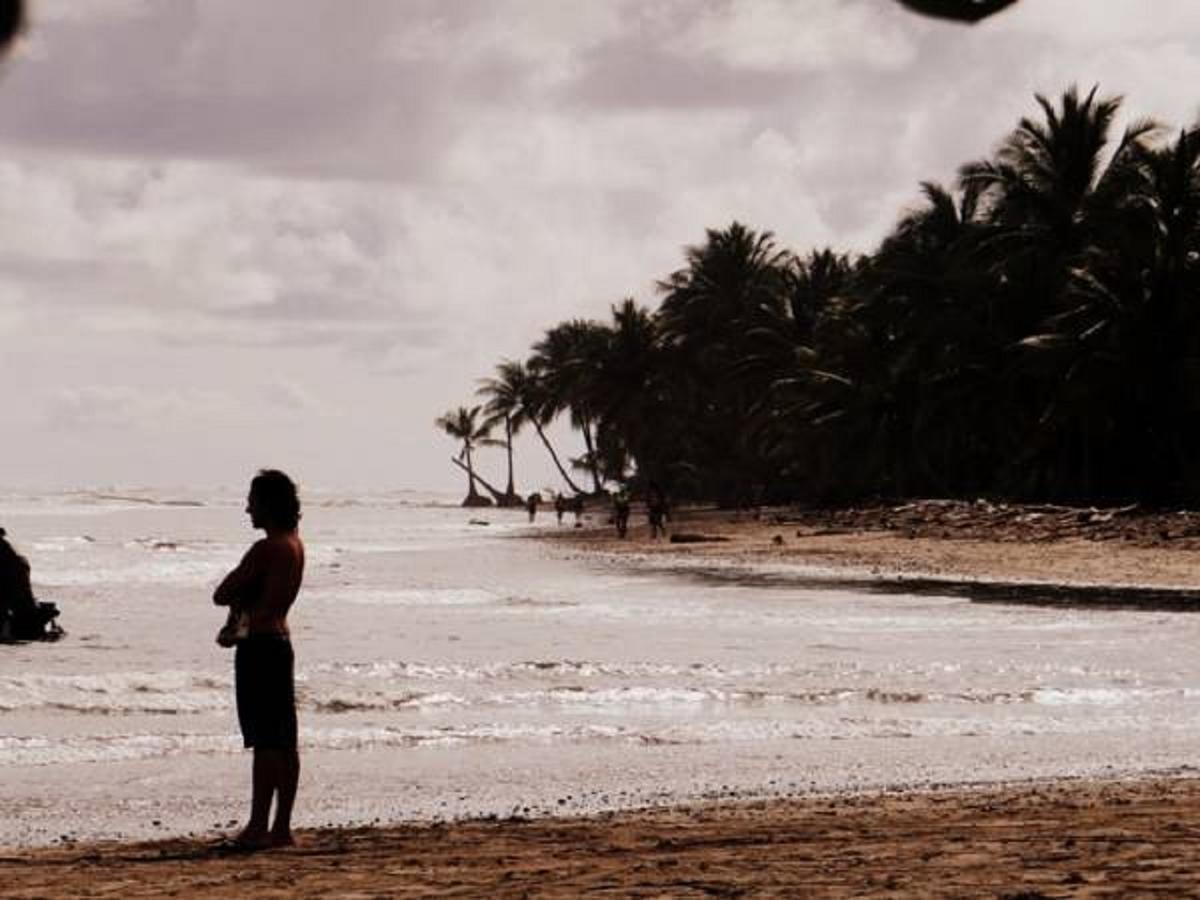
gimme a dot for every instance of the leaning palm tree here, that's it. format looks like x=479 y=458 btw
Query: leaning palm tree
x=565 y=362
x=522 y=397
x=464 y=425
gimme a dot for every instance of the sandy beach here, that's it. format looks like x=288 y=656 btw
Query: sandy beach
x=950 y=541
x=1064 y=839
x=879 y=797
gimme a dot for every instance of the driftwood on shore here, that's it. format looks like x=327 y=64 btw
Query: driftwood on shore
x=985 y=520
x=689 y=537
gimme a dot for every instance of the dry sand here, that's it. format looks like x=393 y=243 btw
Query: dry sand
x=940 y=540
x=1066 y=839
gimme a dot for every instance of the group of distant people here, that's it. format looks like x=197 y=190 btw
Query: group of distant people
x=657 y=509
x=562 y=505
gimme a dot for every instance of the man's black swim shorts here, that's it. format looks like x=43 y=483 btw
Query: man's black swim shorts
x=266 y=693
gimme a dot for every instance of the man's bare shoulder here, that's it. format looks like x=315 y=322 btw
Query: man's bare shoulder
x=282 y=547
x=259 y=550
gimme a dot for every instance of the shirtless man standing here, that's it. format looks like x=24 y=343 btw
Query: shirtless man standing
x=263 y=587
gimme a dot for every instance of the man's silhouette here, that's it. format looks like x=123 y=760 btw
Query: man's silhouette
x=264 y=586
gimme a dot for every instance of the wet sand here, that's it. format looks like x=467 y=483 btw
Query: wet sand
x=1062 y=839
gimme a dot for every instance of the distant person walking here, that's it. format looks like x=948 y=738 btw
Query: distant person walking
x=531 y=505
x=657 y=511
x=261 y=591
x=560 y=506
x=621 y=512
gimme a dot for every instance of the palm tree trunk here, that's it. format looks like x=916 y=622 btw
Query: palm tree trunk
x=472 y=494
x=593 y=463
x=496 y=495
x=511 y=492
x=470 y=481
x=554 y=456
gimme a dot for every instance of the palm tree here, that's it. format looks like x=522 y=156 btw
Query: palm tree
x=726 y=280
x=1049 y=194
x=504 y=404
x=928 y=304
x=812 y=282
x=729 y=284
x=463 y=425
x=1048 y=186
x=1055 y=204
x=565 y=362
x=517 y=393
x=1131 y=315
x=1170 y=347
x=628 y=392
x=788 y=361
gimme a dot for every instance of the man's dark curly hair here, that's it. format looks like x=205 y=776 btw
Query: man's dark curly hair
x=277 y=494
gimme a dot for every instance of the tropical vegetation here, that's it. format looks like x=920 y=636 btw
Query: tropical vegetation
x=1031 y=332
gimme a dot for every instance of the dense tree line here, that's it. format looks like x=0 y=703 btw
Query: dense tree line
x=1029 y=333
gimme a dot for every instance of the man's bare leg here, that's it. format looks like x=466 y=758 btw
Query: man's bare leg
x=264 y=781
x=281 y=831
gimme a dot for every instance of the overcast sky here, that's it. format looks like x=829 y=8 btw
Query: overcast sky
x=239 y=233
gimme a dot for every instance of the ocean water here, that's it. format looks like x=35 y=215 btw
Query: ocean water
x=450 y=669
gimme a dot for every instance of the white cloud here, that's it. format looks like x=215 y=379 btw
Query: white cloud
x=126 y=407
x=287 y=395
x=45 y=12
x=774 y=35
x=1086 y=24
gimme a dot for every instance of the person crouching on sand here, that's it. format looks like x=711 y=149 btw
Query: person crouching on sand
x=263 y=588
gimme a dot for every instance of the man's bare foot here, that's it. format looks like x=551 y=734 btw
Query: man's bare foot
x=250 y=839
x=282 y=839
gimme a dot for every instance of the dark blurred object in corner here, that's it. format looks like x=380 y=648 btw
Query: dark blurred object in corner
x=12 y=22
x=960 y=10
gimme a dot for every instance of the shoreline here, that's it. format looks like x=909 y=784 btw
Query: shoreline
x=1118 y=825
x=1065 y=836
x=1095 y=557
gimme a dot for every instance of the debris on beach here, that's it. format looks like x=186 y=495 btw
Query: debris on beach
x=689 y=537
x=986 y=520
